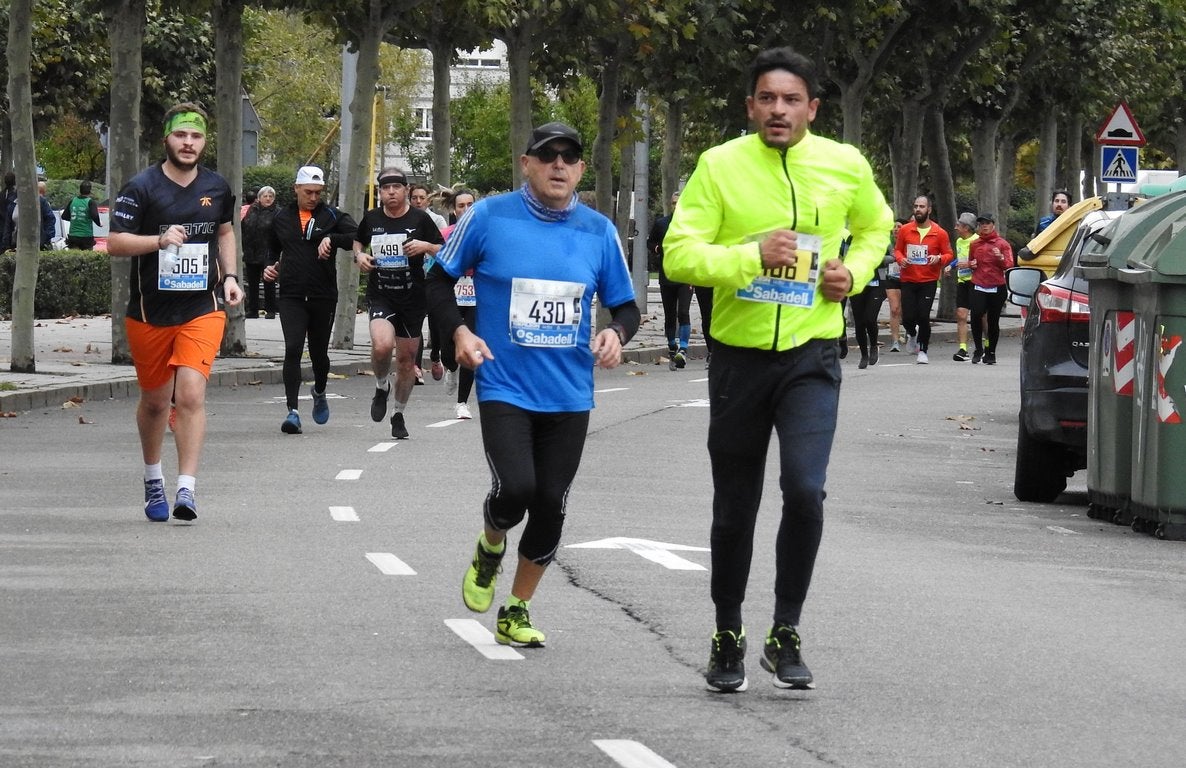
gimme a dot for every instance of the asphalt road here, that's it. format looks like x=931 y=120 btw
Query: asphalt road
x=311 y=616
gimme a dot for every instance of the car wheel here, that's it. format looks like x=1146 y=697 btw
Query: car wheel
x=1040 y=473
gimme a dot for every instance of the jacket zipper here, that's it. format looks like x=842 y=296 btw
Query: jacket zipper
x=782 y=153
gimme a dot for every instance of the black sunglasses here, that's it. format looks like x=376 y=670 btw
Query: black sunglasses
x=548 y=155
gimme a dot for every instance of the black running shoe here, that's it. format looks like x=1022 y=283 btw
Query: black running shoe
x=976 y=356
x=781 y=657
x=960 y=356
x=726 y=663
x=379 y=404
x=990 y=358
x=398 y=430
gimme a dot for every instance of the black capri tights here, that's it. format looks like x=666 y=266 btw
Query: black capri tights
x=533 y=459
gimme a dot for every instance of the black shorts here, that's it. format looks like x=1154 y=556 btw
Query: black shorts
x=963 y=294
x=406 y=316
x=891 y=284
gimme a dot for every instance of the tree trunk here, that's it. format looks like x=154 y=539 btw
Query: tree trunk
x=1046 y=163
x=20 y=113
x=673 y=139
x=1006 y=163
x=905 y=152
x=126 y=25
x=984 y=165
x=1180 y=147
x=935 y=141
x=519 y=41
x=607 y=120
x=623 y=217
x=227 y=17
x=1074 y=161
x=442 y=126
x=355 y=175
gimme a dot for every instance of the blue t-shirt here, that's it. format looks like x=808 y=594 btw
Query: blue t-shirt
x=535 y=282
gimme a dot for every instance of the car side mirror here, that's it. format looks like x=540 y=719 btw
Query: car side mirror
x=1023 y=283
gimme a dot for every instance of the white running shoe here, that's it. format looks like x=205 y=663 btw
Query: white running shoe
x=461 y=411
x=922 y=357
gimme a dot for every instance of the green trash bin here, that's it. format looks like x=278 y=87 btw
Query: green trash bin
x=1111 y=364
x=1158 y=497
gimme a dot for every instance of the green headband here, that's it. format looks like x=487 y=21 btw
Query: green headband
x=189 y=120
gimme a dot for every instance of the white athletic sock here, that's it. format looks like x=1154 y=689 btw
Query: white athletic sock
x=383 y=383
x=153 y=472
x=186 y=481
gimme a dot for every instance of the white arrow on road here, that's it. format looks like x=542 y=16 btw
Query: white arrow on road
x=655 y=551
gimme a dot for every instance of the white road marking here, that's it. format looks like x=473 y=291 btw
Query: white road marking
x=698 y=381
x=382 y=447
x=343 y=514
x=631 y=754
x=655 y=551
x=349 y=474
x=482 y=640
x=1060 y=529
x=611 y=389
x=445 y=423
x=389 y=564
x=697 y=403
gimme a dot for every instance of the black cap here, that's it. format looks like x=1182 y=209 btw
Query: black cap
x=986 y=217
x=550 y=132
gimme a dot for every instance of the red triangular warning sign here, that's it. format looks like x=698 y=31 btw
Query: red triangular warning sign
x=1120 y=129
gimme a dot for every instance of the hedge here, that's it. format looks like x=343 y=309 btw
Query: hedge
x=70 y=283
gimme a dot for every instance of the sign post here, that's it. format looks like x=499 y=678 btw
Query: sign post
x=1120 y=139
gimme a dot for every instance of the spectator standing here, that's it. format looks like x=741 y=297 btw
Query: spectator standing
x=257 y=252
x=988 y=257
x=419 y=196
x=538 y=256
x=1059 y=202
x=173 y=223
x=49 y=221
x=8 y=213
x=306 y=236
x=922 y=249
x=754 y=221
x=83 y=214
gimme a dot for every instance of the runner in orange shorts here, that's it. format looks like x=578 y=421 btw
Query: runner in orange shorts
x=173 y=223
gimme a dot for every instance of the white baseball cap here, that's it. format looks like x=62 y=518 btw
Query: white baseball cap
x=310 y=174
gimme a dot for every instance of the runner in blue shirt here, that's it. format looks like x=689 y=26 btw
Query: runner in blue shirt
x=537 y=256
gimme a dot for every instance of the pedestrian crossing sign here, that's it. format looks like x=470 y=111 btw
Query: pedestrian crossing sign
x=1119 y=164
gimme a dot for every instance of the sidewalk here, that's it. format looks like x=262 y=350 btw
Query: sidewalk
x=73 y=356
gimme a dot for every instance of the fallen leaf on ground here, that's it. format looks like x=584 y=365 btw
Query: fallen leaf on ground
x=636 y=373
x=63 y=349
x=7 y=414
x=70 y=404
x=82 y=420
x=255 y=383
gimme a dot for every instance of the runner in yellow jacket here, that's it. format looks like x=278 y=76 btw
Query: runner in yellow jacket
x=761 y=221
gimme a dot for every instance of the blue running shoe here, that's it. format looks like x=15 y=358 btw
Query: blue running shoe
x=320 y=407
x=291 y=424
x=185 y=508
x=156 y=506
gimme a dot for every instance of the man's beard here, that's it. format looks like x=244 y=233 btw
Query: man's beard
x=177 y=162
x=921 y=218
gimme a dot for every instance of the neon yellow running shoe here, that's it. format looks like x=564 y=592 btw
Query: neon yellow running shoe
x=477 y=587
x=514 y=628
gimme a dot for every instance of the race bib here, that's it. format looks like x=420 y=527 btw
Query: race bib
x=463 y=289
x=183 y=268
x=894 y=271
x=916 y=254
x=964 y=271
x=388 y=251
x=790 y=286
x=545 y=313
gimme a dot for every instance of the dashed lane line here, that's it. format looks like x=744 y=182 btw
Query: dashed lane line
x=382 y=447
x=482 y=640
x=446 y=423
x=343 y=514
x=631 y=754
x=349 y=474
x=390 y=565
